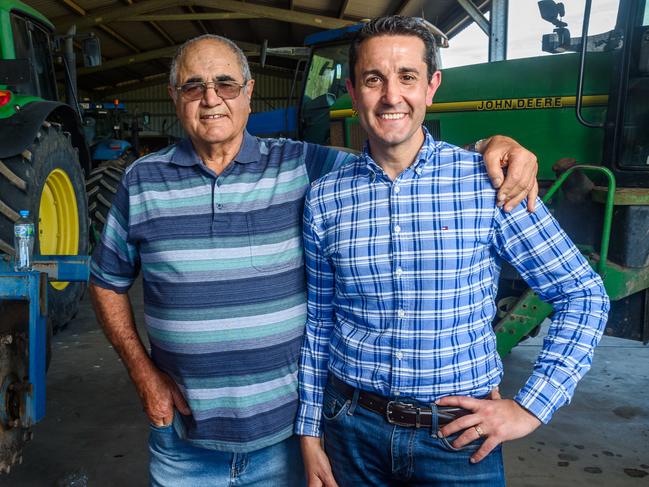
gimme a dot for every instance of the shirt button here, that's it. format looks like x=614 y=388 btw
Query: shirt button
x=397 y=189
x=399 y=271
x=397 y=229
x=401 y=313
x=399 y=355
x=418 y=170
x=219 y=206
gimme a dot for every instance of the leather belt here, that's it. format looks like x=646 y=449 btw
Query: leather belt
x=397 y=412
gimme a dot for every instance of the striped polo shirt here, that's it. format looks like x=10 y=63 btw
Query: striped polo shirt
x=224 y=290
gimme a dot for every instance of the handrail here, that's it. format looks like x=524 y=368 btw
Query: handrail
x=608 y=207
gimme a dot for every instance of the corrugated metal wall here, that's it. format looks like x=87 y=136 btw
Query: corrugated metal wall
x=270 y=92
x=155 y=101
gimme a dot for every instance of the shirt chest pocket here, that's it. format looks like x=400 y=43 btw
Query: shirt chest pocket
x=275 y=237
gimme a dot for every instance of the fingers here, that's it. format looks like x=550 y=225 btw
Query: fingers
x=484 y=450
x=179 y=401
x=314 y=481
x=520 y=178
x=531 y=197
x=495 y=393
x=494 y=169
x=464 y=402
x=463 y=423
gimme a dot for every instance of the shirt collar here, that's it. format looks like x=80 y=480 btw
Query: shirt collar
x=425 y=154
x=185 y=154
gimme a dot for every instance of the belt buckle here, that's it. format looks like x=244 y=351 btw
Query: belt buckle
x=388 y=411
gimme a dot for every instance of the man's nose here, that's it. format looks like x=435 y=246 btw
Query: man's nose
x=210 y=98
x=391 y=91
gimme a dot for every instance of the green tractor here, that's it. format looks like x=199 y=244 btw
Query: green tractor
x=583 y=110
x=43 y=154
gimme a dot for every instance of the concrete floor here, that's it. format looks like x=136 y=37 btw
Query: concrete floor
x=95 y=430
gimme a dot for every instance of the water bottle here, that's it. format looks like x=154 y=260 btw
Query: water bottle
x=23 y=242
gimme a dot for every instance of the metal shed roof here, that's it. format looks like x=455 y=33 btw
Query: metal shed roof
x=139 y=36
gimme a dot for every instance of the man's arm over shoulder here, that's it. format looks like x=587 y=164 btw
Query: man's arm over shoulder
x=512 y=170
x=550 y=263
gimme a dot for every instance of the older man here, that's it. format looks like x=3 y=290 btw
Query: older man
x=399 y=367
x=214 y=224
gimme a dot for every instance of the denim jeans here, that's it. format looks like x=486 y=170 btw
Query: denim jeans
x=177 y=463
x=365 y=450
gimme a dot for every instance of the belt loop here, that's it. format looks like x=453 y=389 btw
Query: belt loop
x=434 y=420
x=352 y=407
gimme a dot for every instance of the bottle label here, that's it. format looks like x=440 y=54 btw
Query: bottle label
x=24 y=231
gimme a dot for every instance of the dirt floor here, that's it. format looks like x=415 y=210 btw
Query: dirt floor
x=95 y=432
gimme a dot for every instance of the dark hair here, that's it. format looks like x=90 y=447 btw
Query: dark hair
x=394 y=25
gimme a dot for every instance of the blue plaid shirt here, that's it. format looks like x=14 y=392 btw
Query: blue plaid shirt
x=402 y=277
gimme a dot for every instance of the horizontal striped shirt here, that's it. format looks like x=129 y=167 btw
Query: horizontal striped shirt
x=402 y=277
x=223 y=280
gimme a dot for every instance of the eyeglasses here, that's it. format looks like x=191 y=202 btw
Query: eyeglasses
x=195 y=90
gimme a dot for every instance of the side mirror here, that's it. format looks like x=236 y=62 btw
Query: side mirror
x=91 y=50
x=551 y=11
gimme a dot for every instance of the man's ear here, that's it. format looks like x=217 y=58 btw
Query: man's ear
x=433 y=84
x=350 y=90
x=250 y=86
x=172 y=93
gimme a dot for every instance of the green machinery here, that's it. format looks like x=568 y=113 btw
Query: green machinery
x=589 y=105
x=43 y=154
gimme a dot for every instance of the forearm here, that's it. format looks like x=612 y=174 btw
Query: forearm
x=115 y=315
x=312 y=378
x=566 y=356
x=552 y=266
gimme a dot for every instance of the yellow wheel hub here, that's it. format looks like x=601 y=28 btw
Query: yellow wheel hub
x=58 y=221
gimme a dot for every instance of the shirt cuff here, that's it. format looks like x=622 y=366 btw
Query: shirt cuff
x=541 y=398
x=309 y=421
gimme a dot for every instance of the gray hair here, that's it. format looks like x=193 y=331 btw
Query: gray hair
x=243 y=62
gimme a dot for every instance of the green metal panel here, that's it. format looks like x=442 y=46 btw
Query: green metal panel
x=15 y=5
x=551 y=133
x=17 y=101
x=6 y=38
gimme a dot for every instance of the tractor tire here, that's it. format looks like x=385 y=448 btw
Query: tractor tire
x=101 y=186
x=47 y=179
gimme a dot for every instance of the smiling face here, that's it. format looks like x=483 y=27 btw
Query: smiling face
x=392 y=91
x=211 y=121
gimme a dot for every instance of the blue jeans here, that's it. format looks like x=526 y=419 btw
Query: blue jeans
x=177 y=463
x=365 y=450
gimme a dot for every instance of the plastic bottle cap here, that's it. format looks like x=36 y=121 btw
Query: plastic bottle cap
x=24 y=213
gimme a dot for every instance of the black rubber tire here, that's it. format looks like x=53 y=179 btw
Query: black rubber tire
x=101 y=186
x=51 y=149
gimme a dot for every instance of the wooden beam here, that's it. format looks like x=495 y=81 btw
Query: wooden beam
x=75 y=6
x=193 y=16
x=82 y=12
x=165 y=52
x=200 y=23
x=156 y=79
x=156 y=28
x=120 y=38
x=343 y=7
x=280 y=14
x=154 y=55
x=162 y=33
x=109 y=14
